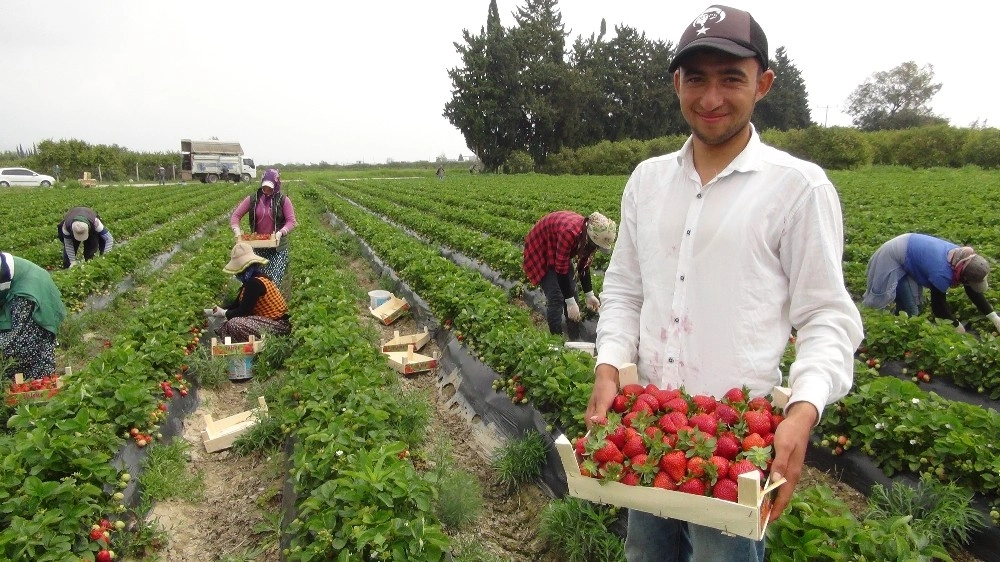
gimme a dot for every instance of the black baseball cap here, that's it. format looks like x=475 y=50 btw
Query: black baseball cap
x=723 y=29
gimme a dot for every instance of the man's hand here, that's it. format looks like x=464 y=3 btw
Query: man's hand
x=605 y=389
x=593 y=303
x=572 y=309
x=790 y=442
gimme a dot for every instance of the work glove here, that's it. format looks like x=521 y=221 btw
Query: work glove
x=995 y=318
x=277 y=236
x=960 y=328
x=237 y=232
x=593 y=303
x=219 y=312
x=72 y=264
x=572 y=309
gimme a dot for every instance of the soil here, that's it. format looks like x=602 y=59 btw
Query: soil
x=241 y=491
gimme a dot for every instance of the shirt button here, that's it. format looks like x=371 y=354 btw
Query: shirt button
x=677 y=320
x=671 y=360
x=688 y=232
x=682 y=277
x=699 y=196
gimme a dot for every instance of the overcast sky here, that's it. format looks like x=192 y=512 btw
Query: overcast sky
x=344 y=81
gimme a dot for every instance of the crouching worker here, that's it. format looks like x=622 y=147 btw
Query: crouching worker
x=259 y=307
x=31 y=311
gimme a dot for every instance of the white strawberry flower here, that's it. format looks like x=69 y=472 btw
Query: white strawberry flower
x=913 y=441
x=915 y=400
x=880 y=425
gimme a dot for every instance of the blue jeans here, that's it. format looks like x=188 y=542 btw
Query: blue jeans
x=555 y=307
x=655 y=539
x=906 y=301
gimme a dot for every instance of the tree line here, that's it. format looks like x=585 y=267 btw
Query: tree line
x=521 y=95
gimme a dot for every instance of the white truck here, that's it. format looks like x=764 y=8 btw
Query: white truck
x=212 y=160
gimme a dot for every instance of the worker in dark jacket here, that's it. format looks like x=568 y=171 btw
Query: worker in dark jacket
x=83 y=226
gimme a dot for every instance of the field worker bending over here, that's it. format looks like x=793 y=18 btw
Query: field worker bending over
x=259 y=306
x=549 y=249
x=901 y=268
x=82 y=225
x=31 y=311
x=270 y=211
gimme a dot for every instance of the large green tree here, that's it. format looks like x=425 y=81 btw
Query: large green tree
x=787 y=105
x=486 y=97
x=548 y=87
x=895 y=99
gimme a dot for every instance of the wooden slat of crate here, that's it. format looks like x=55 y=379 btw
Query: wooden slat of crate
x=389 y=311
x=220 y=434
x=401 y=342
x=409 y=362
x=227 y=347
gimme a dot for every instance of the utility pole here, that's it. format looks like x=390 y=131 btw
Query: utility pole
x=826 y=114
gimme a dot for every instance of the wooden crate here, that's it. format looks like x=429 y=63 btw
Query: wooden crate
x=745 y=518
x=402 y=342
x=390 y=311
x=270 y=242
x=409 y=362
x=228 y=347
x=220 y=434
x=43 y=394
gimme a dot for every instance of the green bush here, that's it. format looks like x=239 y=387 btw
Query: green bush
x=982 y=148
x=930 y=147
x=664 y=145
x=520 y=162
x=578 y=530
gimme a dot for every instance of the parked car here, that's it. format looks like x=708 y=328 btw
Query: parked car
x=24 y=176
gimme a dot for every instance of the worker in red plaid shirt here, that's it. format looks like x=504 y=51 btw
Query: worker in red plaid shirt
x=549 y=250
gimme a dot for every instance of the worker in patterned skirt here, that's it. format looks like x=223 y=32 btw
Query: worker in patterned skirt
x=31 y=311
x=259 y=306
x=270 y=212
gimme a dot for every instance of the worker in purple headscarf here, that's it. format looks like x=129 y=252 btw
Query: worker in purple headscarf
x=270 y=212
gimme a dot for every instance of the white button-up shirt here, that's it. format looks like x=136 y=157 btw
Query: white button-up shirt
x=706 y=282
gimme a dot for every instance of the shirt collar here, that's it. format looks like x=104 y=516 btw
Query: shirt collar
x=746 y=161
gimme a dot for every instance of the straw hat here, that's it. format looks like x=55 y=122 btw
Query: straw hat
x=241 y=257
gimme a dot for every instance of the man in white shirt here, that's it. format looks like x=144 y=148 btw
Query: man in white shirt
x=724 y=248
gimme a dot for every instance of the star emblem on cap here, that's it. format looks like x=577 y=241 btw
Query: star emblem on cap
x=702 y=30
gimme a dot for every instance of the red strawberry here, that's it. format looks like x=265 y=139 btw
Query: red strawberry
x=609 y=453
x=631 y=390
x=727 y=446
x=721 y=465
x=759 y=403
x=735 y=396
x=630 y=478
x=620 y=404
x=680 y=419
x=726 y=489
x=674 y=464
x=666 y=423
x=579 y=445
x=651 y=389
x=696 y=467
x=692 y=486
x=753 y=440
x=645 y=403
x=664 y=396
x=677 y=405
x=634 y=446
x=727 y=414
x=705 y=422
x=758 y=421
x=103 y=556
x=96 y=534
x=741 y=467
x=775 y=420
x=704 y=403
x=618 y=436
x=248 y=348
x=662 y=480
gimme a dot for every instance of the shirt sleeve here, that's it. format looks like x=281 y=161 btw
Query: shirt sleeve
x=982 y=305
x=621 y=296
x=69 y=246
x=105 y=234
x=826 y=319
x=289 y=212
x=240 y=210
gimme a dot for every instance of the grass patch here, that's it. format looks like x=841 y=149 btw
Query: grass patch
x=165 y=474
x=519 y=460
x=578 y=529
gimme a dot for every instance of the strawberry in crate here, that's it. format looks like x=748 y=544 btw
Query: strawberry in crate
x=674 y=441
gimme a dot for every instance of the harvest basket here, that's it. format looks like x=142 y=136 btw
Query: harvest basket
x=228 y=347
x=402 y=342
x=409 y=362
x=48 y=390
x=260 y=240
x=747 y=517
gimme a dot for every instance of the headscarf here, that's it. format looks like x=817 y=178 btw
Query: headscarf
x=273 y=176
x=248 y=273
